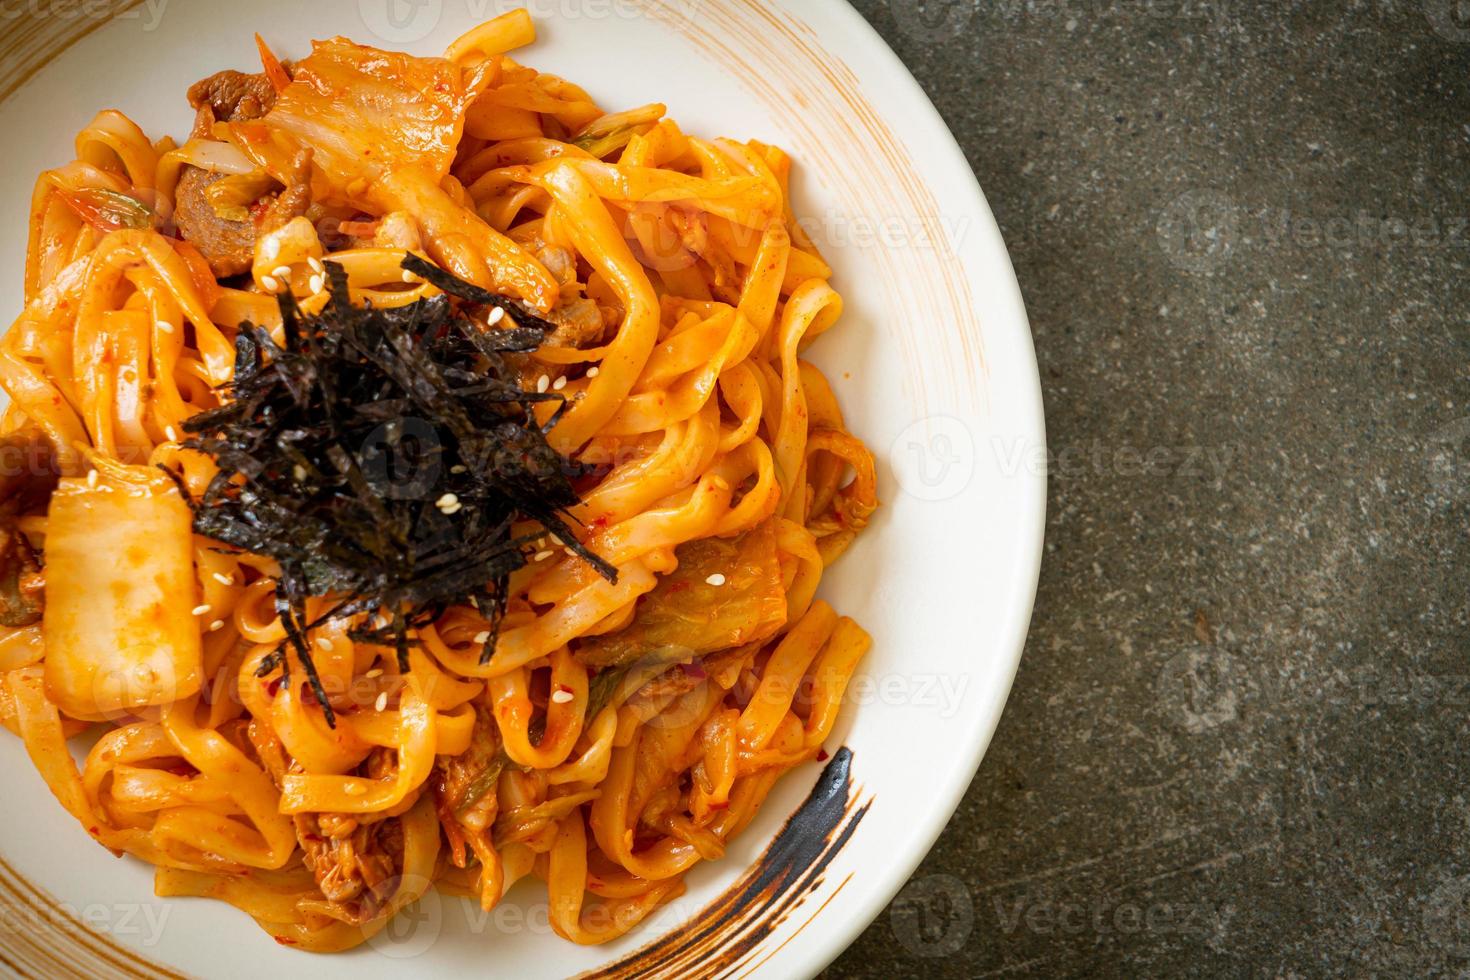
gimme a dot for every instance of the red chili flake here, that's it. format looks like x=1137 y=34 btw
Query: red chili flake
x=274 y=687
x=284 y=940
x=93 y=831
x=677 y=587
x=822 y=755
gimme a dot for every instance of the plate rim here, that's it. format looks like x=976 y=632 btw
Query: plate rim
x=990 y=261
x=934 y=820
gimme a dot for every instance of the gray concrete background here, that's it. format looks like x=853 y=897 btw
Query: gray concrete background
x=1234 y=746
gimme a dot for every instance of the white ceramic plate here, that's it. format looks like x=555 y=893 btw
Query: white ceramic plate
x=932 y=363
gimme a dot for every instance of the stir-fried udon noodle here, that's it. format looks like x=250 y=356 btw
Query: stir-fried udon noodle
x=618 y=729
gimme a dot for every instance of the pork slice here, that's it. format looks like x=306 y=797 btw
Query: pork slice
x=234 y=96
x=229 y=246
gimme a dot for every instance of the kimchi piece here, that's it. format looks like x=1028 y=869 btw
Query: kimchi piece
x=726 y=592
x=383 y=128
x=118 y=629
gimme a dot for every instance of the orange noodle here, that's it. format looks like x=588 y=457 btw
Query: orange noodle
x=618 y=733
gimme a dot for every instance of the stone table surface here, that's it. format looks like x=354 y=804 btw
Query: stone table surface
x=1233 y=748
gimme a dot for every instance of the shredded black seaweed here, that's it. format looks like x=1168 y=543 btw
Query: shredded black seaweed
x=382 y=457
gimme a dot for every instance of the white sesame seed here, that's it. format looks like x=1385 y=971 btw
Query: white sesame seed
x=164 y=326
x=172 y=433
x=561 y=696
x=299 y=472
x=542 y=555
x=315 y=284
x=382 y=701
x=451 y=510
x=316 y=265
x=270 y=284
x=270 y=249
x=105 y=489
x=375 y=672
x=282 y=272
x=448 y=500
x=594 y=371
x=91 y=478
x=322 y=643
x=201 y=610
x=482 y=637
x=558 y=384
x=409 y=276
x=459 y=468
x=223 y=579
x=715 y=579
x=570 y=552
x=542 y=383
x=496 y=315
x=555 y=539
x=355 y=789
x=217 y=625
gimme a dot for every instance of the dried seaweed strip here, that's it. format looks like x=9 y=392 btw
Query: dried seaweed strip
x=382 y=456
